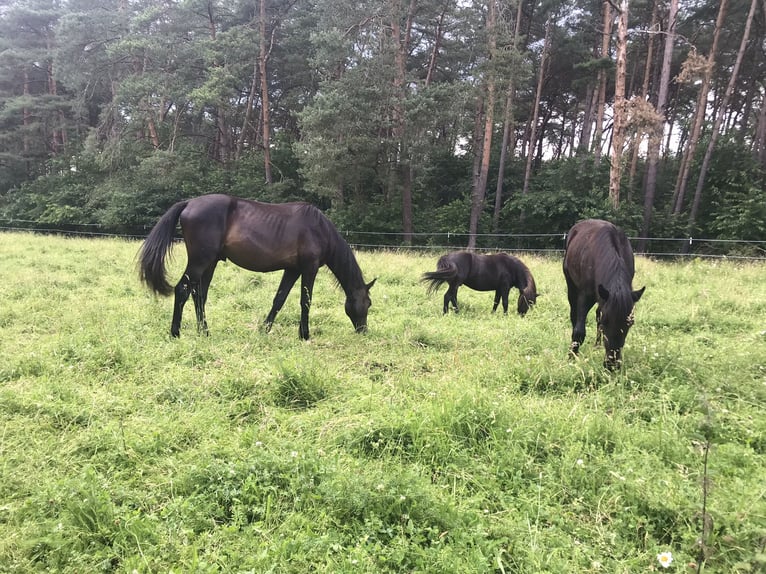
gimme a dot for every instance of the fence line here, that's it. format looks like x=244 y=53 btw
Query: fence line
x=543 y=243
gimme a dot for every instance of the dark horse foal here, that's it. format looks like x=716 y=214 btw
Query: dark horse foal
x=496 y=273
x=599 y=268
x=261 y=237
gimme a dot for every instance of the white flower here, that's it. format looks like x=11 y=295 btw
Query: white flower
x=258 y=443
x=402 y=498
x=380 y=486
x=580 y=462
x=294 y=453
x=665 y=559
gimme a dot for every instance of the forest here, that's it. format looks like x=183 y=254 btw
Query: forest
x=404 y=119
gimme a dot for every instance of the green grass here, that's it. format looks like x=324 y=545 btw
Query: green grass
x=460 y=443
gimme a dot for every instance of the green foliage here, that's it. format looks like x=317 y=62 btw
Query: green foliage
x=297 y=388
x=462 y=443
x=735 y=206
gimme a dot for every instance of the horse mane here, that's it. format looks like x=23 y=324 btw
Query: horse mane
x=529 y=290
x=523 y=276
x=616 y=278
x=340 y=257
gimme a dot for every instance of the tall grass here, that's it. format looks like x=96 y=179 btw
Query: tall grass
x=458 y=443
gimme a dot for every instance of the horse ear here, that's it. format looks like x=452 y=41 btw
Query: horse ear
x=602 y=292
x=371 y=283
x=637 y=294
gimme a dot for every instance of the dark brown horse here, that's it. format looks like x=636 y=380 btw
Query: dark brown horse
x=261 y=237
x=599 y=268
x=498 y=273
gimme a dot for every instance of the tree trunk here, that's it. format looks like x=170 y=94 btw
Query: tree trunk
x=248 y=112
x=402 y=167
x=435 y=50
x=478 y=125
x=653 y=153
x=644 y=92
x=536 y=107
x=699 y=118
x=587 y=122
x=263 y=57
x=480 y=189
x=508 y=121
x=759 y=148
x=620 y=111
x=606 y=37
x=719 y=119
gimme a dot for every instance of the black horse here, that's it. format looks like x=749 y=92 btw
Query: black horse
x=498 y=273
x=261 y=237
x=599 y=268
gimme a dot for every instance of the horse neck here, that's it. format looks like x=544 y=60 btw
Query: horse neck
x=528 y=288
x=523 y=277
x=342 y=263
x=617 y=280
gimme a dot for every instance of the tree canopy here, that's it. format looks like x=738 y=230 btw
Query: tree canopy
x=396 y=116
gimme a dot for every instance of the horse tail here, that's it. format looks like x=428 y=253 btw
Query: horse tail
x=151 y=258
x=444 y=274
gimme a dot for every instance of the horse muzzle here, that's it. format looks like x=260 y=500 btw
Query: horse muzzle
x=361 y=328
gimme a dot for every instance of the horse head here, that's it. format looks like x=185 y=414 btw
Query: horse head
x=526 y=300
x=527 y=295
x=615 y=318
x=358 y=304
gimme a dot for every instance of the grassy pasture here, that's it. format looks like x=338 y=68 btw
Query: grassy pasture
x=464 y=443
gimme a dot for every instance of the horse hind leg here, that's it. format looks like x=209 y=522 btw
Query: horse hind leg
x=451 y=297
x=199 y=295
x=182 y=290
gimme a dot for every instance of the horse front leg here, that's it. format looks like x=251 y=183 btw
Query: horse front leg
x=289 y=277
x=307 y=289
x=578 y=314
x=504 y=297
x=182 y=291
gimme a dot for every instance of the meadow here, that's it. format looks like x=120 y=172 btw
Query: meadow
x=466 y=443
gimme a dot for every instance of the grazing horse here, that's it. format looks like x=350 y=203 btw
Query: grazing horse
x=261 y=237
x=498 y=273
x=599 y=268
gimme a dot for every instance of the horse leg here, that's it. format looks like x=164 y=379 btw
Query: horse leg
x=289 y=277
x=497 y=300
x=451 y=297
x=578 y=310
x=578 y=315
x=599 y=330
x=307 y=289
x=504 y=296
x=199 y=295
x=182 y=291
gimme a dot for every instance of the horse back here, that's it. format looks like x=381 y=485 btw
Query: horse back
x=597 y=252
x=257 y=236
x=489 y=272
